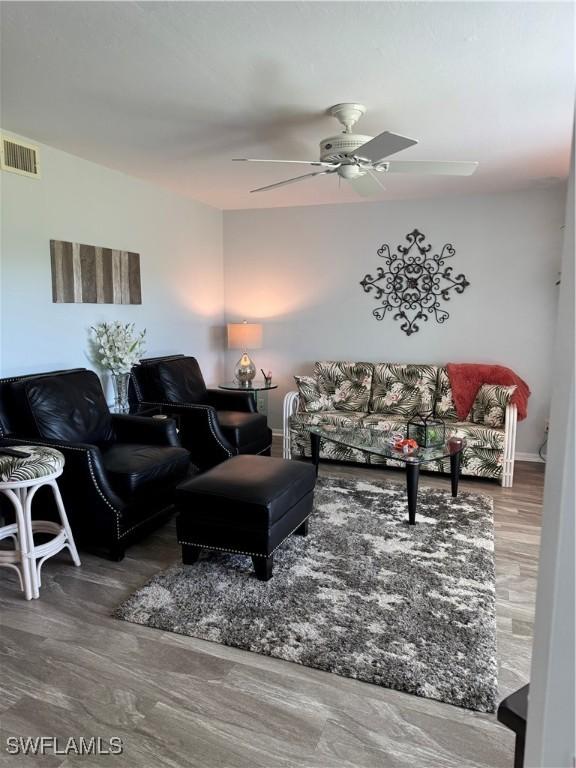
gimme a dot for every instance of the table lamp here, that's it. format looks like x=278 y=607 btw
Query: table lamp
x=245 y=336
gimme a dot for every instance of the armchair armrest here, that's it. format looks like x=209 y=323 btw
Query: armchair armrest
x=200 y=432
x=88 y=496
x=145 y=429
x=227 y=400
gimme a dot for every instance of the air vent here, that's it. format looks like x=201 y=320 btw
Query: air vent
x=20 y=158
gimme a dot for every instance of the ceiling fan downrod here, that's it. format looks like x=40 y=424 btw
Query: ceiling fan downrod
x=347 y=114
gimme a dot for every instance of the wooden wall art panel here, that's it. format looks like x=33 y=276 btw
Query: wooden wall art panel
x=87 y=274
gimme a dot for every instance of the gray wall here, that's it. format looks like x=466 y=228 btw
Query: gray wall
x=180 y=246
x=298 y=269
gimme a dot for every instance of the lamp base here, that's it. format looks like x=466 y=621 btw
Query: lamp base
x=245 y=370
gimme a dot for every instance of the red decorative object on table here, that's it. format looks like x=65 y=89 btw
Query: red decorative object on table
x=406 y=446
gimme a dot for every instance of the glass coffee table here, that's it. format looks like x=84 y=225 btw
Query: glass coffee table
x=381 y=444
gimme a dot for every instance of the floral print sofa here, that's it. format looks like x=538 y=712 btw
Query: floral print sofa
x=384 y=396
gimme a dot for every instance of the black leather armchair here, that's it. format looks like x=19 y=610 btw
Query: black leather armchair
x=214 y=424
x=121 y=470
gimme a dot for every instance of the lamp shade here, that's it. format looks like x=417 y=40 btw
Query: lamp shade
x=244 y=336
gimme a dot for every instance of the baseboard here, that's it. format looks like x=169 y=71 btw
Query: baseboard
x=528 y=457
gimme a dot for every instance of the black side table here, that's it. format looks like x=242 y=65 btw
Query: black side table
x=513 y=712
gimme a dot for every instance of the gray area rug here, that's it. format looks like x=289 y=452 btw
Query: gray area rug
x=363 y=596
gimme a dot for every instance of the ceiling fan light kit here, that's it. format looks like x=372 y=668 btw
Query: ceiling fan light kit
x=358 y=159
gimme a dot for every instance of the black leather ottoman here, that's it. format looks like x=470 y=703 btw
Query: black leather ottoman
x=248 y=505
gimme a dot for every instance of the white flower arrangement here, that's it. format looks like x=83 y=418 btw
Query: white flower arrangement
x=118 y=347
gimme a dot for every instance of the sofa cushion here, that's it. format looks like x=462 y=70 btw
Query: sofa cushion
x=348 y=384
x=176 y=381
x=69 y=407
x=133 y=468
x=477 y=435
x=311 y=400
x=403 y=389
x=242 y=428
x=490 y=404
x=384 y=423
x=330 y=418
x=444 y=406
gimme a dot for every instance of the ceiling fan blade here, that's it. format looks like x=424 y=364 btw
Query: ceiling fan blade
x=383 y=145
x=290 y=181
x=448 y=168
x=292 y=162
x=368 y=185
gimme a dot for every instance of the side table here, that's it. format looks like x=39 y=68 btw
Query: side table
x=513 y=713
x=253 y=388
x=23 y=470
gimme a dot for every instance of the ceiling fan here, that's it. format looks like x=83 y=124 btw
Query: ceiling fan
x=361 y=160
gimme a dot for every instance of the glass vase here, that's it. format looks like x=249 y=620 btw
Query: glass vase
x=120 y=382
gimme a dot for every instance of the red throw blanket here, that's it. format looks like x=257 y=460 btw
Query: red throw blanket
x=467 y=378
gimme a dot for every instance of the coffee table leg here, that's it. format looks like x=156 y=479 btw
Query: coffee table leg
x=315 y=448
x=412 y=474
x=455 y=471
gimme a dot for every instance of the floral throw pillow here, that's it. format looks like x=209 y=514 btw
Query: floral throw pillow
x=489 y=407
x=348 y=384
x=444 y=406
x=403 y=390
x=311 y=399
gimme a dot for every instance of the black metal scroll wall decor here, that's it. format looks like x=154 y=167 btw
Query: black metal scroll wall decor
x=413 y=283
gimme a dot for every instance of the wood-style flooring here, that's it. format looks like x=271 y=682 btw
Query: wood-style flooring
x=68 y=669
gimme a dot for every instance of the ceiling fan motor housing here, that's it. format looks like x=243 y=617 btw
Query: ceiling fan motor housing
x=334 y=148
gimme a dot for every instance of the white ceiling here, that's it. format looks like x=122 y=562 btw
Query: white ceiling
x=171 y=91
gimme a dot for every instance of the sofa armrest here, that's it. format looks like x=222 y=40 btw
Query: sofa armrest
x=199 y=432
x=291 y=402
x=145 y=429
x=510 y=422
x=227 y=400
